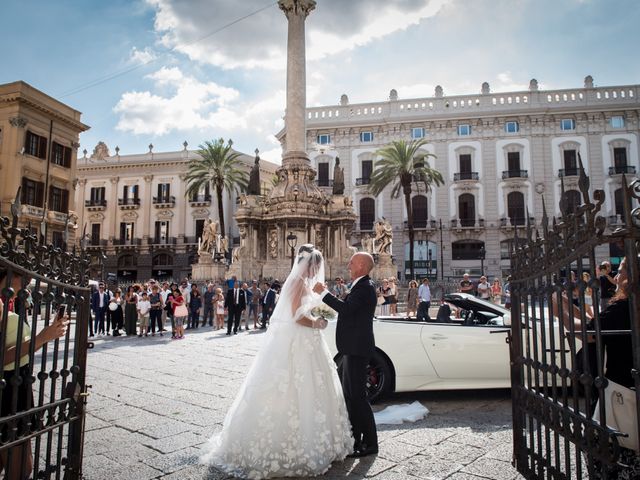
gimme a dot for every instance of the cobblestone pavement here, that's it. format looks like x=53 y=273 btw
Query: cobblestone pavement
x=155 y=401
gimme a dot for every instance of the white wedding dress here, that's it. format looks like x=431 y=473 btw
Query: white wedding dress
x=289 y=418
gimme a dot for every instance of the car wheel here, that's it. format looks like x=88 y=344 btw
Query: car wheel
x=378 y=376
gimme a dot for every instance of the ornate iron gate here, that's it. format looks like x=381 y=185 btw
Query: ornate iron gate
x=43 y=387
x=558 y=371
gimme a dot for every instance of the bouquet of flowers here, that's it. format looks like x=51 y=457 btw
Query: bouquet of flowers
x=324 y=311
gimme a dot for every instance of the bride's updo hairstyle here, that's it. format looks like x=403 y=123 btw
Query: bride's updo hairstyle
x=311 y=255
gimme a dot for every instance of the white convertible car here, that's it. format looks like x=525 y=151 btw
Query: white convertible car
x=448 y=354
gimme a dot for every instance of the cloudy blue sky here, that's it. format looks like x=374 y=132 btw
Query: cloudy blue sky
x=166 y=71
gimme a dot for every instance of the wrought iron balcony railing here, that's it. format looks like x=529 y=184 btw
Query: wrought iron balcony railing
x=467 y=223
x=363 y=181
x=129 y=202
x=127 y=242
x=164 y=201
x=164 y=241
x=516 y=221
x=568 y=172
x=515 y=174
x=366 y=226
x=616 y=220
x=466 y=176
x=95 y=203
x=198 y=200
x=620 y=169
x=419 y=224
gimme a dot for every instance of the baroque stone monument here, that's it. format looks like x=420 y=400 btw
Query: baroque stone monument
x=295 y=211
x=212 y=250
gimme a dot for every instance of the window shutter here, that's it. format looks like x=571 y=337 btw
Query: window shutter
x=67 y=157
x=65 y=201
x=42 y=147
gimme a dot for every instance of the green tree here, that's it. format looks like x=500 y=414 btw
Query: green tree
x=219 y=168
x=401 y=164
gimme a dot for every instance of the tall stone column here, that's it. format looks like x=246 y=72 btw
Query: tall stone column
x=296 y=12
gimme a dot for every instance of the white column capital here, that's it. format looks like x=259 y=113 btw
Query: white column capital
x=296 y=7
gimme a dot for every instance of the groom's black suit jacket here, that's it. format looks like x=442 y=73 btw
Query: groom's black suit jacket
x=354 y=332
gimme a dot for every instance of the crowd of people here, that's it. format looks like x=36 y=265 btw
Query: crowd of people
x=146 y=309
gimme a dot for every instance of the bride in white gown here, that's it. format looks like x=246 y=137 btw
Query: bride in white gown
x=289 y=417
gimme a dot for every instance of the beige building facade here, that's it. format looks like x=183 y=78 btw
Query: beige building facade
x=38 y=152
x=501 y=154
x=138 y=221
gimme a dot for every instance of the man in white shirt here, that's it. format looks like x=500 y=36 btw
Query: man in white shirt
x=424 y=301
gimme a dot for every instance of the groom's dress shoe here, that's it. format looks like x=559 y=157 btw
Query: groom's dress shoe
x=363 y=451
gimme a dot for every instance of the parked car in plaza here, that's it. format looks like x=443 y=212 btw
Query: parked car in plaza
x=469 y=352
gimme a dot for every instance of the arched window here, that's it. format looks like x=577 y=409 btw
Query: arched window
x=367 y=213
x=467 y=210
x=573 y=199
x=162 y=260
x=619 y=202
x=515 y=208
x=466 y=250
x=420 y=211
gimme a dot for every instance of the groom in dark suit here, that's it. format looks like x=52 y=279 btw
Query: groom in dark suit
x=355 y=342
x=235 y=302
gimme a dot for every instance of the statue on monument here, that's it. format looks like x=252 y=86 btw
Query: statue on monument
x=338 y=178
x=367 y=243
x=208 y=238
x=383 y=238
x=254 y=177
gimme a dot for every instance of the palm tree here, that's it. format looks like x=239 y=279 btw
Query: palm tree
x=401 y=164
x=219 y=168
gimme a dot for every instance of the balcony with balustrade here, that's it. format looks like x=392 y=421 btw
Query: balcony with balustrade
x=362 y=181
x=508 y=223
x=622 y=169
x=129 y=203
x=96 y=244
x=421 y=224
x=160 y=241
x=95 y=205
x=517 y=174
x=466 y=176
x=127 y=243
x=507 y=103
x=200 y=200
x=460 y=224
x=569 y=172
x=168 y=201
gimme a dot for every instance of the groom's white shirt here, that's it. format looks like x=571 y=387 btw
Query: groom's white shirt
x=353 y=284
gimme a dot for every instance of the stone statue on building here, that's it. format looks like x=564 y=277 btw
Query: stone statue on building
x=254 y=177
x=100 y=152
x=383 y=238
x=338 y=178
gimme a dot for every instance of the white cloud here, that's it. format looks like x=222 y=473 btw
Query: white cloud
x=259 y=40
x=141 y=56
x=189 y=104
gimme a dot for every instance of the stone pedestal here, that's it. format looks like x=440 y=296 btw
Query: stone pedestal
x=207 y=269
x=384 y=267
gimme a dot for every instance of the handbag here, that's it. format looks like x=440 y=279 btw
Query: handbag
x=620 y=407
x=380 y=299
x=181 y=311
x=113 y=306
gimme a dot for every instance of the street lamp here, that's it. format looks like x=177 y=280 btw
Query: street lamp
x=292 y=241
x=482 y=254
x=429 y=254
